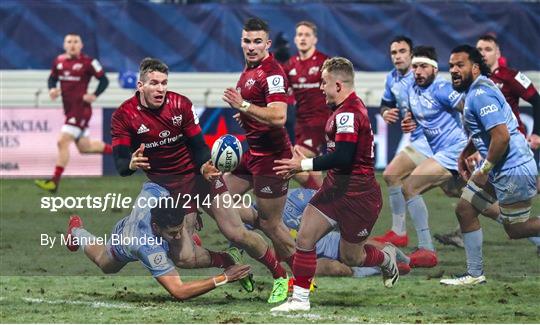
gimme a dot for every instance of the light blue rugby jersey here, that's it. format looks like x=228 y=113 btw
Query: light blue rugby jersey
x=396 y=91
x=137 y=224
x=434 y=110
x=485 y=108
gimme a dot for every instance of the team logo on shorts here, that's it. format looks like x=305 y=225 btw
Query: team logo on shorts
x=177 y=120
x=164 y=133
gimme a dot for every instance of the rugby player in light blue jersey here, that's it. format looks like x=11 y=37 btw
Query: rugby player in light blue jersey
x=158 y=239
x=433 y=106
x=394 y=104
x=508 y=171
x=327 y=248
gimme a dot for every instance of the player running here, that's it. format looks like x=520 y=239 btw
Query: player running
x=74 y=69
x=304 y=74
x=393 y=104
x=158 y=131
x=261 y=99
x=350 y=197
x=158 y=238
x=507 y=173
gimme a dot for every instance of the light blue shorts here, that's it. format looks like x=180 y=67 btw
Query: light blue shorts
x=421 y=145
x=448 y=156
x=328 y=246
x=515 y=184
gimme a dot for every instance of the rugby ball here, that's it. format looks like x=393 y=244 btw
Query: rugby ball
x=226 y=153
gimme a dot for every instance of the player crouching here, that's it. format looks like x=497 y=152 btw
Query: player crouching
x=159 y=240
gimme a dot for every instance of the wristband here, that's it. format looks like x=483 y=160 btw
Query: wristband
x=486 y=167
x=307 y=164
x=220 y=280
x=245 y=106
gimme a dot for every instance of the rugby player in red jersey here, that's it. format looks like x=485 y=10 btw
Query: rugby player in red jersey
x=74 y=69
x=158 y=131
x=350 y=196
x=304 y=74
x=261 y=99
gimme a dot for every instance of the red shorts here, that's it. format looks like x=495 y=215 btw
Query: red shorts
x=78 y=117
x=258 y=170
x=192 y=190
x=355 y=214
x=310 y=136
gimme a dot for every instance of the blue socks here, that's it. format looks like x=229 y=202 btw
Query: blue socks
x=473 y=251
x=397 y=206
x=419 y=215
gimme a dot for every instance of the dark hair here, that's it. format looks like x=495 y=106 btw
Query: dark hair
x=167 y=216
x=150 y=65
x=308 y=24
x=402 y=38
x=474 y=56
x=489 y=38
x=425 y=52
x=256 y=24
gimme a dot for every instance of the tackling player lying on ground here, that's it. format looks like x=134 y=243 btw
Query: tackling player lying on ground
x=508 y=172
x=327 y=248
x=514 y=85
x=158 y=132
x=261 y=100
x=304 y=74
x=394 y=104
x=74 y=70
x=158 y=238
x=350 y=197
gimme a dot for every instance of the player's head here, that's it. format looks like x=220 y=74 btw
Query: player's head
x=401 y=53
x=73 y=44
x=306 y=36
x=167 y=222
x=152 y=84
x=337 y=79
x=466 y=64
x=255 y=41
x=424 y=64
x=489 y=48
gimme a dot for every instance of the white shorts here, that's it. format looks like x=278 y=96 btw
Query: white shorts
x=75 y=131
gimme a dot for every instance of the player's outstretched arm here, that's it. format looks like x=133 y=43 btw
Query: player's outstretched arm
x=183 y=291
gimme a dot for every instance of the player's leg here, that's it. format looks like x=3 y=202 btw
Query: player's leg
x=314 y=225
x=68 y=134
x=85 y=145
x=399 y=168
x=330 y=267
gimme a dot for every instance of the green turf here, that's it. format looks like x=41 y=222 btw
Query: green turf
x=40 y=284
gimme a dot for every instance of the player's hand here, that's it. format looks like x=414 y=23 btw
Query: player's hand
x=288 y=167
x=473 y=161
x=237 y=272
x=89 y=98
x=238 y=119
x=391 y=115
x=462 y=168
x=479 y=178
x=138 y=160
x=209 y=171
x=233 y=98
x=54 y=93
x=534 y=141
x=408 y=124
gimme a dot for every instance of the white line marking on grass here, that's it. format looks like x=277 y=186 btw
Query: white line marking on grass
x=93 y=304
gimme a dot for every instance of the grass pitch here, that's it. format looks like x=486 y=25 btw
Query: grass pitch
x=41 y=284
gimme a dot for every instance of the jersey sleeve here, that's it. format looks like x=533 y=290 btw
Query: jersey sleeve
x=522 y=86
x=388 y=96
x=488 y=110
x=347 y=127
x=155 y=259
x=54 y=70
x=120 y=129
x=96 y=69
x=275 y=87
x=190 y=120
x=447 y=96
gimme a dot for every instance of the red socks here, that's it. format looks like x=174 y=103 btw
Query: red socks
x=57 y=174
x=220 y=259
x=374 y=257
x=304 y=265
x=270 y=261
x=107 y=150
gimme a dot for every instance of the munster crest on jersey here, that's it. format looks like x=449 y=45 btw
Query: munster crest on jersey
x=177 y=120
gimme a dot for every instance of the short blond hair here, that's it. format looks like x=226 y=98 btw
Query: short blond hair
x=341 y=68
x=308 y=24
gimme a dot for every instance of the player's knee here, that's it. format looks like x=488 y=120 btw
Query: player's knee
x=353 y=258
x=83 y=148
x=236 y=236
x=409 y=191
x=390 y=178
